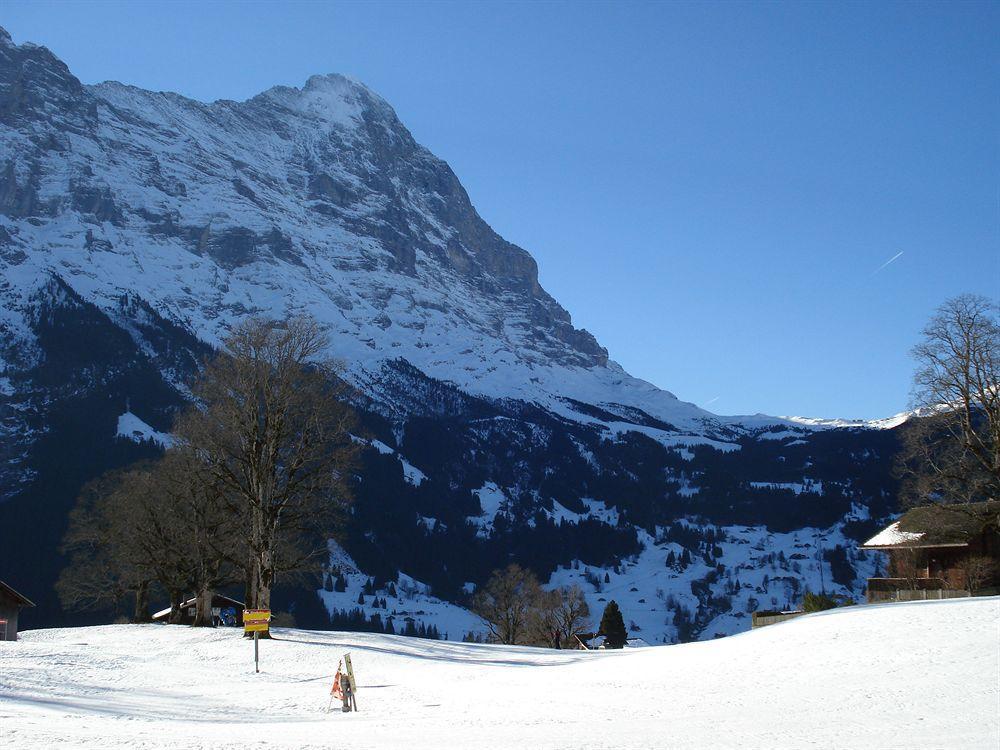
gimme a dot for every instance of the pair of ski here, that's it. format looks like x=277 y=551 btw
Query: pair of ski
x=344 y=687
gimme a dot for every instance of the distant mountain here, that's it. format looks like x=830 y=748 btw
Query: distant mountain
x=137 y=227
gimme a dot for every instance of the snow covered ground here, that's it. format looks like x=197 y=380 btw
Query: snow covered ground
x=923 y=674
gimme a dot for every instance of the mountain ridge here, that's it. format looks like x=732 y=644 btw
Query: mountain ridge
x=136 y=228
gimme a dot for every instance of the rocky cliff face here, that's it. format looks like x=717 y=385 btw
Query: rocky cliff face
x=136 y=227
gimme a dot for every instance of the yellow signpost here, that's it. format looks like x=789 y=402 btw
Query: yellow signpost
x=256 y=621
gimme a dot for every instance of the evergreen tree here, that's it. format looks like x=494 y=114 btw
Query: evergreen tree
x=340 y=585
x=361 y=599
x=607 y=578
x=327 y=582
x=613 y=626
x=671 y=560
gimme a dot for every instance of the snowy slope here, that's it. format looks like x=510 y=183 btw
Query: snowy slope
x=137 y=227
x=920 y=675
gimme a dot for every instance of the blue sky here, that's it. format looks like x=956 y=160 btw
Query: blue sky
x=711 y=189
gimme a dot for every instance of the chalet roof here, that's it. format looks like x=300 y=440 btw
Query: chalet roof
x=936 y=526
x=20 y=599
x=218 y=600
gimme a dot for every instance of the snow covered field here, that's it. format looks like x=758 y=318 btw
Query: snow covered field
x=893 y=676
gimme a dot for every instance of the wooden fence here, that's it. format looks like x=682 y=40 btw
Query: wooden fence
x=914 y=595
x=910 y=590
x=761 y=619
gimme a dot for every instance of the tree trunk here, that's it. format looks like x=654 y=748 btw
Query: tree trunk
x=175 y=616
x=141 y=613
x=203 y=609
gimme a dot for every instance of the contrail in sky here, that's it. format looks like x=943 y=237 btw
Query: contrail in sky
x=712 y=401
x=894 y=257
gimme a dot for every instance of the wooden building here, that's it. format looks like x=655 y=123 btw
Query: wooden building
x=939 y=552
x=764 y=617
x=225 y=612
x=11 y=603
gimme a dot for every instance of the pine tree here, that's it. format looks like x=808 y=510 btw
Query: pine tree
x=327 y=582
x=607 y=578
x=361 y=599
x=613 y=626
x=340 y=585
x=671 y=560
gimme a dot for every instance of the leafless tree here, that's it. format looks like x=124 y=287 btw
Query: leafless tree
x=106 y=562
x=506 y=603
x=191 y=532
x=978 y=570
x=158 y=521
x=953 y=454
x=274 y=433
x=572 y=614
x=543 y=622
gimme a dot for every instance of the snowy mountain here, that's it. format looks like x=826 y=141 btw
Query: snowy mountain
x=914 y=675
x=136 y=227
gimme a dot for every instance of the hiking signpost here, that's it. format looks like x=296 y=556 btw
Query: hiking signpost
x=256 y=621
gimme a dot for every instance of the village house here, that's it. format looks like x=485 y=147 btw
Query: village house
x=225 y=612
x=11 y=603
x=939 y=552
x=595 y=642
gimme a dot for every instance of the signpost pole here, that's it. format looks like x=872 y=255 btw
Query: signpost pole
x=256 y=621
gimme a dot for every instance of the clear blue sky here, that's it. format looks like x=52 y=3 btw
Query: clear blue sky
x=708 y=188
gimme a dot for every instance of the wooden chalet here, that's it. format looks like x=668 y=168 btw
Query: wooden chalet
x=939 y=552
x=225 y=612
x=11 y=603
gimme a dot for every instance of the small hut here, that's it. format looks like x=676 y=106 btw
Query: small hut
x=225 y=612
x=11 y=603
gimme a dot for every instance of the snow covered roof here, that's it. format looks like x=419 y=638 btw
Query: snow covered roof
x=891 y=536
x=937 y=526
x=217 y=601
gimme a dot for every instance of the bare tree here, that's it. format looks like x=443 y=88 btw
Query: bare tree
x=572 y=614
x=191 y=532
x=953 y=455
x=506 y=603
x=543 y=622
x=275 y=437
x=978 y=570
x=106 y=562
x=157 y=521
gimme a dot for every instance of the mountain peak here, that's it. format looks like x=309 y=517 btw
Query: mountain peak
x=335 y=99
